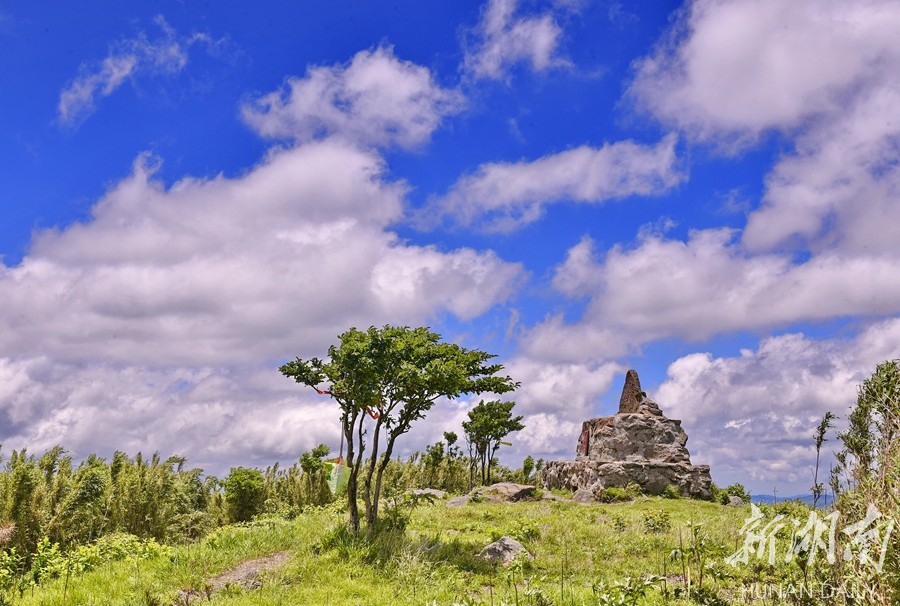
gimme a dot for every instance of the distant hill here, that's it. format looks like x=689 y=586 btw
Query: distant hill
x=824 y=500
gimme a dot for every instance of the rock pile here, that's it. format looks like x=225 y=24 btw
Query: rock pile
x=638 y=444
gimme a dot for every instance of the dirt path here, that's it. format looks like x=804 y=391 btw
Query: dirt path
x=247 y=575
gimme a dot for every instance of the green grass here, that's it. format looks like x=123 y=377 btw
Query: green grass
x=433 y=562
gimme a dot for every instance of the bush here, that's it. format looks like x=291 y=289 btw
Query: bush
x=657 y=521
x=671 y=492
x=722 y=495
x=617 y=494
x=245 y=493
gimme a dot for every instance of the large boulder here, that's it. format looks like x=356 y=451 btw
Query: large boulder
x=638 y=444
x=499 y=492
x=504 y=552
x=459 y=501
x=506 y=491
x=652 y=477
x=430 y=492
x=635 y=437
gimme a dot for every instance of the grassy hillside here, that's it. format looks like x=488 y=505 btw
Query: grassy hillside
x=577 y=549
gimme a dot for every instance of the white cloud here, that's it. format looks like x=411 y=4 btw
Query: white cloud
x=166 y=54
x=824 y=74
x=738 y=68
x=159 y=322
x=752 y=417
x=503 y=39
x=504 y=196
x=839 y=189
x=709 y=285
x=374 y=100
x=555 y=398
x=218 y=417
x=577 y=275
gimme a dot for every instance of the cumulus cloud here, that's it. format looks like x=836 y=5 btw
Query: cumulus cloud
x=165 y=54
x=502 y=39
x=726 y=73
x=753 y=415
x=503 y=196
x=826 y=75
x=554 y=399
x=709 y=284
x=160 y=320
x=838 y=190
x=738 y=68
x=375 y=100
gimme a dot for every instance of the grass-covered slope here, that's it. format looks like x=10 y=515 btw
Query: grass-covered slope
x=433 y=562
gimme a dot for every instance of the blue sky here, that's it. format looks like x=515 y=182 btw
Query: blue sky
x=702 y=191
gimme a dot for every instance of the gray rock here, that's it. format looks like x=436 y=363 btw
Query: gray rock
x=735 y=501
x=632 y=395
x=634 y=437
x=506 y=491
x=584 y=495
x=504 y=551
x=459 y=501
x=652 y=477
x=434 y=492
x=639 y=444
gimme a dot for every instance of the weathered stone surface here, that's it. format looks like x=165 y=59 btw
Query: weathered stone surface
x=506 y=491
x=635 y=437
x=639 y=444
x=584 y=495
x=735 y=501
x=632 y=394
x=459 y=501
x=652 y=477
x=6 y=533
x=633 y=399
x=499 y=492
x=434 y=492
x=504 y=552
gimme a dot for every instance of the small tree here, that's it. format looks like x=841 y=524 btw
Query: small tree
x=245 y=493
x=385 y=379
x=317 y=491
x=488 y=424
x=527 y=468
x=818 y=488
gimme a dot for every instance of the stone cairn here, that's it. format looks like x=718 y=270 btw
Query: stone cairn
x=638 y=444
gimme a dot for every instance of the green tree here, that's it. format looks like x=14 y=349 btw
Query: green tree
x=385 y=379
x=527 y=468
x=488 y=424
x=870 y=466
x=245 y=493
x=313 y=466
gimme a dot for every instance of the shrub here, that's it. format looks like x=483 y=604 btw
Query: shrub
x=657 y=521
x=617 y=494
x=671 y=492
x=245 y=493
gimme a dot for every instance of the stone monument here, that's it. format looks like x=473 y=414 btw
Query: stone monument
x=637 y=445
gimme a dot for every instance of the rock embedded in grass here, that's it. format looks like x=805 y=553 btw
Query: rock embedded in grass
x=504 y=552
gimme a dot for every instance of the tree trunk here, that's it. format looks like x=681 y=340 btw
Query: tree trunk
x=381 y=467
x=353 y=480
x=370 y=470
x=372 y=507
